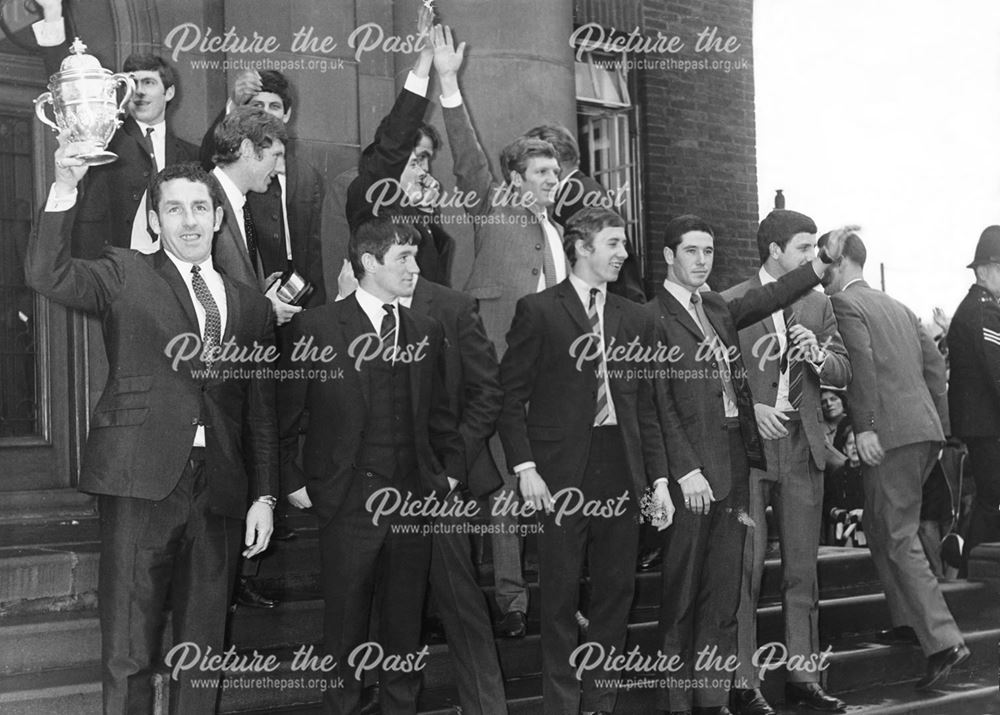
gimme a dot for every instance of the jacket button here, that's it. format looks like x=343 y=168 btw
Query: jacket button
x=774 y=384
x=719 y=393
x=369 y=474
x=538 y=247
x=534 y=271
x=274 y=217
x=194 y=420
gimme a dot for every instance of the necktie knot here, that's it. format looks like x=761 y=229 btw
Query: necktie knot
x=594 y=292
x=388 y=308
x=695 y=299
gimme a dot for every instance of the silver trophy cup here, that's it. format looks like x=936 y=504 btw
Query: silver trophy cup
x=83 y=98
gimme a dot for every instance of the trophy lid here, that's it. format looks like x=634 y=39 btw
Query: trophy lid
x=78 y=58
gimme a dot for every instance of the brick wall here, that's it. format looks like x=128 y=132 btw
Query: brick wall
x=699 y=136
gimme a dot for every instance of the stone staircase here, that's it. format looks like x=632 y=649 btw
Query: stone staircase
x=50 y=637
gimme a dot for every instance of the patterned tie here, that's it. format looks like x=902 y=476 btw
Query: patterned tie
x=548 y=260
x=792 y=363
x=603 y=410
x=251 y=238
x=713 y=337
x=388 y=332
x=213 y=320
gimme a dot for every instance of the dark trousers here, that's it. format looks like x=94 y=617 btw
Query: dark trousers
x=465 y=615
x=609 y=546
x=353 y=551
x=148 y=549
x=702 y=574
x=984 y=522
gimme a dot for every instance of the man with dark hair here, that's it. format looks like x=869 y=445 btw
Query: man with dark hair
x=577 y=191
x=518 y=252
x=287 y=217
x=590 y=434
x=900 y=415
x=112 y=206
x=380 y=426
x=249 y=154
x=394 y=170
x=790 y=354
x=974 y=387
x=707 y=416
x=175 y=454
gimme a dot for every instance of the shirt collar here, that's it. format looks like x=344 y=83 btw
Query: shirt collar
x=206 y=266
x=850 y=283
x=682 y=294
x=583 y=288
x=158 y=129
x=370 y=304
x=236 y=197
x=765 y=277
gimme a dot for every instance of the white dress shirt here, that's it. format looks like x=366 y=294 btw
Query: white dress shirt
x=372 y=308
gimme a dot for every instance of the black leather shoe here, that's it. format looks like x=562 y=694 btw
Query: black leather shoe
x=650 y=558
x=940 y=664
x=813 y=696
x=899 y=635
x=512 y=625
x=247 y=595
x=751 y=702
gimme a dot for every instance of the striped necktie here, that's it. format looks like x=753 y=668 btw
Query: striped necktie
x=602 y=412
x=251 y=233
x=792 y=364
x=387 y=333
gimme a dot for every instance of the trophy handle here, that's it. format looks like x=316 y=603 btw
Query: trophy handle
x=43 y=99
x=122 y=78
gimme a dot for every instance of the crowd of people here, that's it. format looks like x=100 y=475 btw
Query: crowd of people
x=548 y=391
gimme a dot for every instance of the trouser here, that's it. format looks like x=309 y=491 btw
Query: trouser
x=891 y=521
x=149 y=549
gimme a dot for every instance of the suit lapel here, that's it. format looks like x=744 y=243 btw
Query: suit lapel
x=612 y=318
x=571 y=304
x=233 y=309
x=680 y=314
x=168 y=271
x=408 y=331
x=352 y=324
x=422 y=297
x=230 y=232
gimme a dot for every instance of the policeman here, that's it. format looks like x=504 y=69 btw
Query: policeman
x=974 y=386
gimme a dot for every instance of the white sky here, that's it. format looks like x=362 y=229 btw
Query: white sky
x=885 y=114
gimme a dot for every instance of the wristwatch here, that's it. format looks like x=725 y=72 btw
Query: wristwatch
x=266 y=499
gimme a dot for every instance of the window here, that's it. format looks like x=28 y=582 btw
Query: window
x=607 y=127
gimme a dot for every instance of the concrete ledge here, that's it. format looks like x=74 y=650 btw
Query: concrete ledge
x=32 y=578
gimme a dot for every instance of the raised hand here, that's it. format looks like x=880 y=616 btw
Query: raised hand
x=246 y=87
x=69 y=168
x=447 y=58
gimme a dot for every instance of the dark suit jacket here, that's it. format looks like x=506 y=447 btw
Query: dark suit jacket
x=974 y=353
x=385 y=158
x=306 y=191
x=581 y=191
x=110 y=194
x=472 y=377
x=899 y=386
x=549 y=404
x=337 y=407
x=509 y=240
x=689 y=401
x=144 y=424
x=758 y=341
x=230 y=252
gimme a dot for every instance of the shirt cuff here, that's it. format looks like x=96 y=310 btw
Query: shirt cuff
x=689 y=474
x=60 y=199
x=417 y=85
x=656 y=482
x=452 y=100
x=49 y=33
x=522 y=466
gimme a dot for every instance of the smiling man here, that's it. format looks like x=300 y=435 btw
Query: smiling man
x=177 y=456
x=706 y=411
x=591 y=427
x=249 y=154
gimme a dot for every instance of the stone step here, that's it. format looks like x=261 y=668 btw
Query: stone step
x=47 y=578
